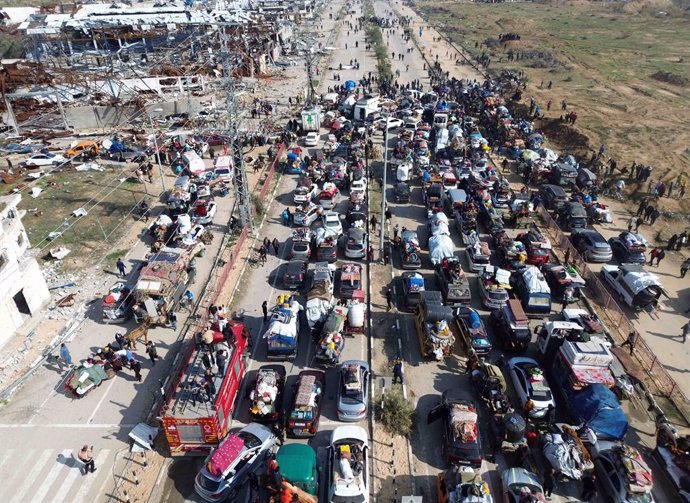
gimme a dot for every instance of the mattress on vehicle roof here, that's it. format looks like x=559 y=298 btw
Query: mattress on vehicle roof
x=591 y=353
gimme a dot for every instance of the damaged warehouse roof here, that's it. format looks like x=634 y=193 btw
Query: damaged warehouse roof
x=143 y=17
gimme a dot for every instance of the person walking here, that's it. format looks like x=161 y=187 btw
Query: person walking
x=264 y=308
x=221 y=359
x=642 y=207
x=632 y=222
x=209 y=385
x=172 y=320
x=682 y=240
x=653 y=254
x=389 y=298
x=388 y=214
x=654 y=215
x=686 y=331
x=121 y=267
x=86 y=456
x=398 y=371
x=631 y=340
x=396 y=229
x=207 y=360
x=386 y=254
x=672 y=242
x=472 y=362
x=152 y=352
x=660 y=256
x=684 y=267
x=370 y=253
x=549 y=482
x=373 y=221
x=65 y=356
x=276 y=245
x=136 y=367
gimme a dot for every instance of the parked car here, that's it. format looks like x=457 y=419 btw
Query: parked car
x=350 y=279
x=82 y=147
x=47 y=159
x=300 y=250
x=572 y=216
x=312 y=139
x=472 y=330
x=591 y=245
x=627 y=248
x=519 y=485
x=306 y=216
x=305 y=192
x=348 y=465
x=623 y=474
x=230 y=463
x=390 y=123
x=303 y=416
x=295 y=274
x=353 y=390
x=410 y=255
x=355 y=243
x=331 y=220
x=533 y=391
x=412 y=286
x=402 y=193
x=461 y=439
x=554 y=196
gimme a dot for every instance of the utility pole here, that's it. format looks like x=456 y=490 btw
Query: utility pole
x=242 y=193
x=383 y=185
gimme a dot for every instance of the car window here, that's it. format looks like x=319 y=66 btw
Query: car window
x=250 y=440
x=521 y=379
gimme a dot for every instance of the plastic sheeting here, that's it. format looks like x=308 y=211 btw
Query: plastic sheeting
x=440 y=247
x=598 y=406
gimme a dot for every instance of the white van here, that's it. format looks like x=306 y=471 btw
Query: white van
x=412 y=124
x=193 y=163
x=223 y=168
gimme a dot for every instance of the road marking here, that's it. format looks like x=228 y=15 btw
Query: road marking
x=32 y=474
x=18 y=468
x=91 y=478
x=100 y=402
x=63 y=490
x=66 y=425
x=50 y=478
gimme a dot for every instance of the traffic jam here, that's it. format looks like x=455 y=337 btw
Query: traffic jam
x=535 y=400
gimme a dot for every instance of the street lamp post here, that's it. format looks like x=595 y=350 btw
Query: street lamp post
x=383 y=185
x=155 y=147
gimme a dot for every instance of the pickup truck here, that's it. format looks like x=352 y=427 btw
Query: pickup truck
x=282 y=334
x=433 y=324
x=455 y=287
x=635 y=287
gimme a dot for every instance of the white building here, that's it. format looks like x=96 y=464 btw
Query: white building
x=23 y=289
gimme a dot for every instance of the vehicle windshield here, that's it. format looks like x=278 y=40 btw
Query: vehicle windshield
x=211 y=485
x=357 y=498
x=352 y=386
x=540 y=252
x=250 y=440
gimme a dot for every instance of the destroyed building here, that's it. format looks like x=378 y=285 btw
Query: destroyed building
x=23 y=289
x=116 y=55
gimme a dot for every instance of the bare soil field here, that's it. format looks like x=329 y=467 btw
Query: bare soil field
x=623 y=67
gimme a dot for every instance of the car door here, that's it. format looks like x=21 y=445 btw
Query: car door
x=436 y=413
x=520 y=384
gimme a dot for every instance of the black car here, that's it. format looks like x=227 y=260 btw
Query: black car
x=572 y=216
x=627 y=249
x=461 y=439
x=295 y=273
x=412 y=286
x=402 y=192
x=554 y=196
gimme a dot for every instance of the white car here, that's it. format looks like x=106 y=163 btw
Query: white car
x=359 y=185
x=312 y=139
x=45 y=160
x=393 y=123
x=305 y=195
x=331 y=221
x=530 y=384
x=348 y=465
x=307 y=216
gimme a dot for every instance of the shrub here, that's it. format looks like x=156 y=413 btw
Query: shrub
x=395 y=413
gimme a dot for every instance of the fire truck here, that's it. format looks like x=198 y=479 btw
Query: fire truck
x=194 y=420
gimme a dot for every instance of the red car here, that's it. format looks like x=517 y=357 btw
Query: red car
x=537 y=246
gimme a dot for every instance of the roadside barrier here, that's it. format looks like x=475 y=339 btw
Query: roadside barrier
x=618 y=323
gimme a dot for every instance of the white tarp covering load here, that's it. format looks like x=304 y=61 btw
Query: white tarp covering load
x=440 y=229
x=564 y=455
x=355 y=315
x=440 y=247
x=283 y=323
x=534 y=280
x=316 y=310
